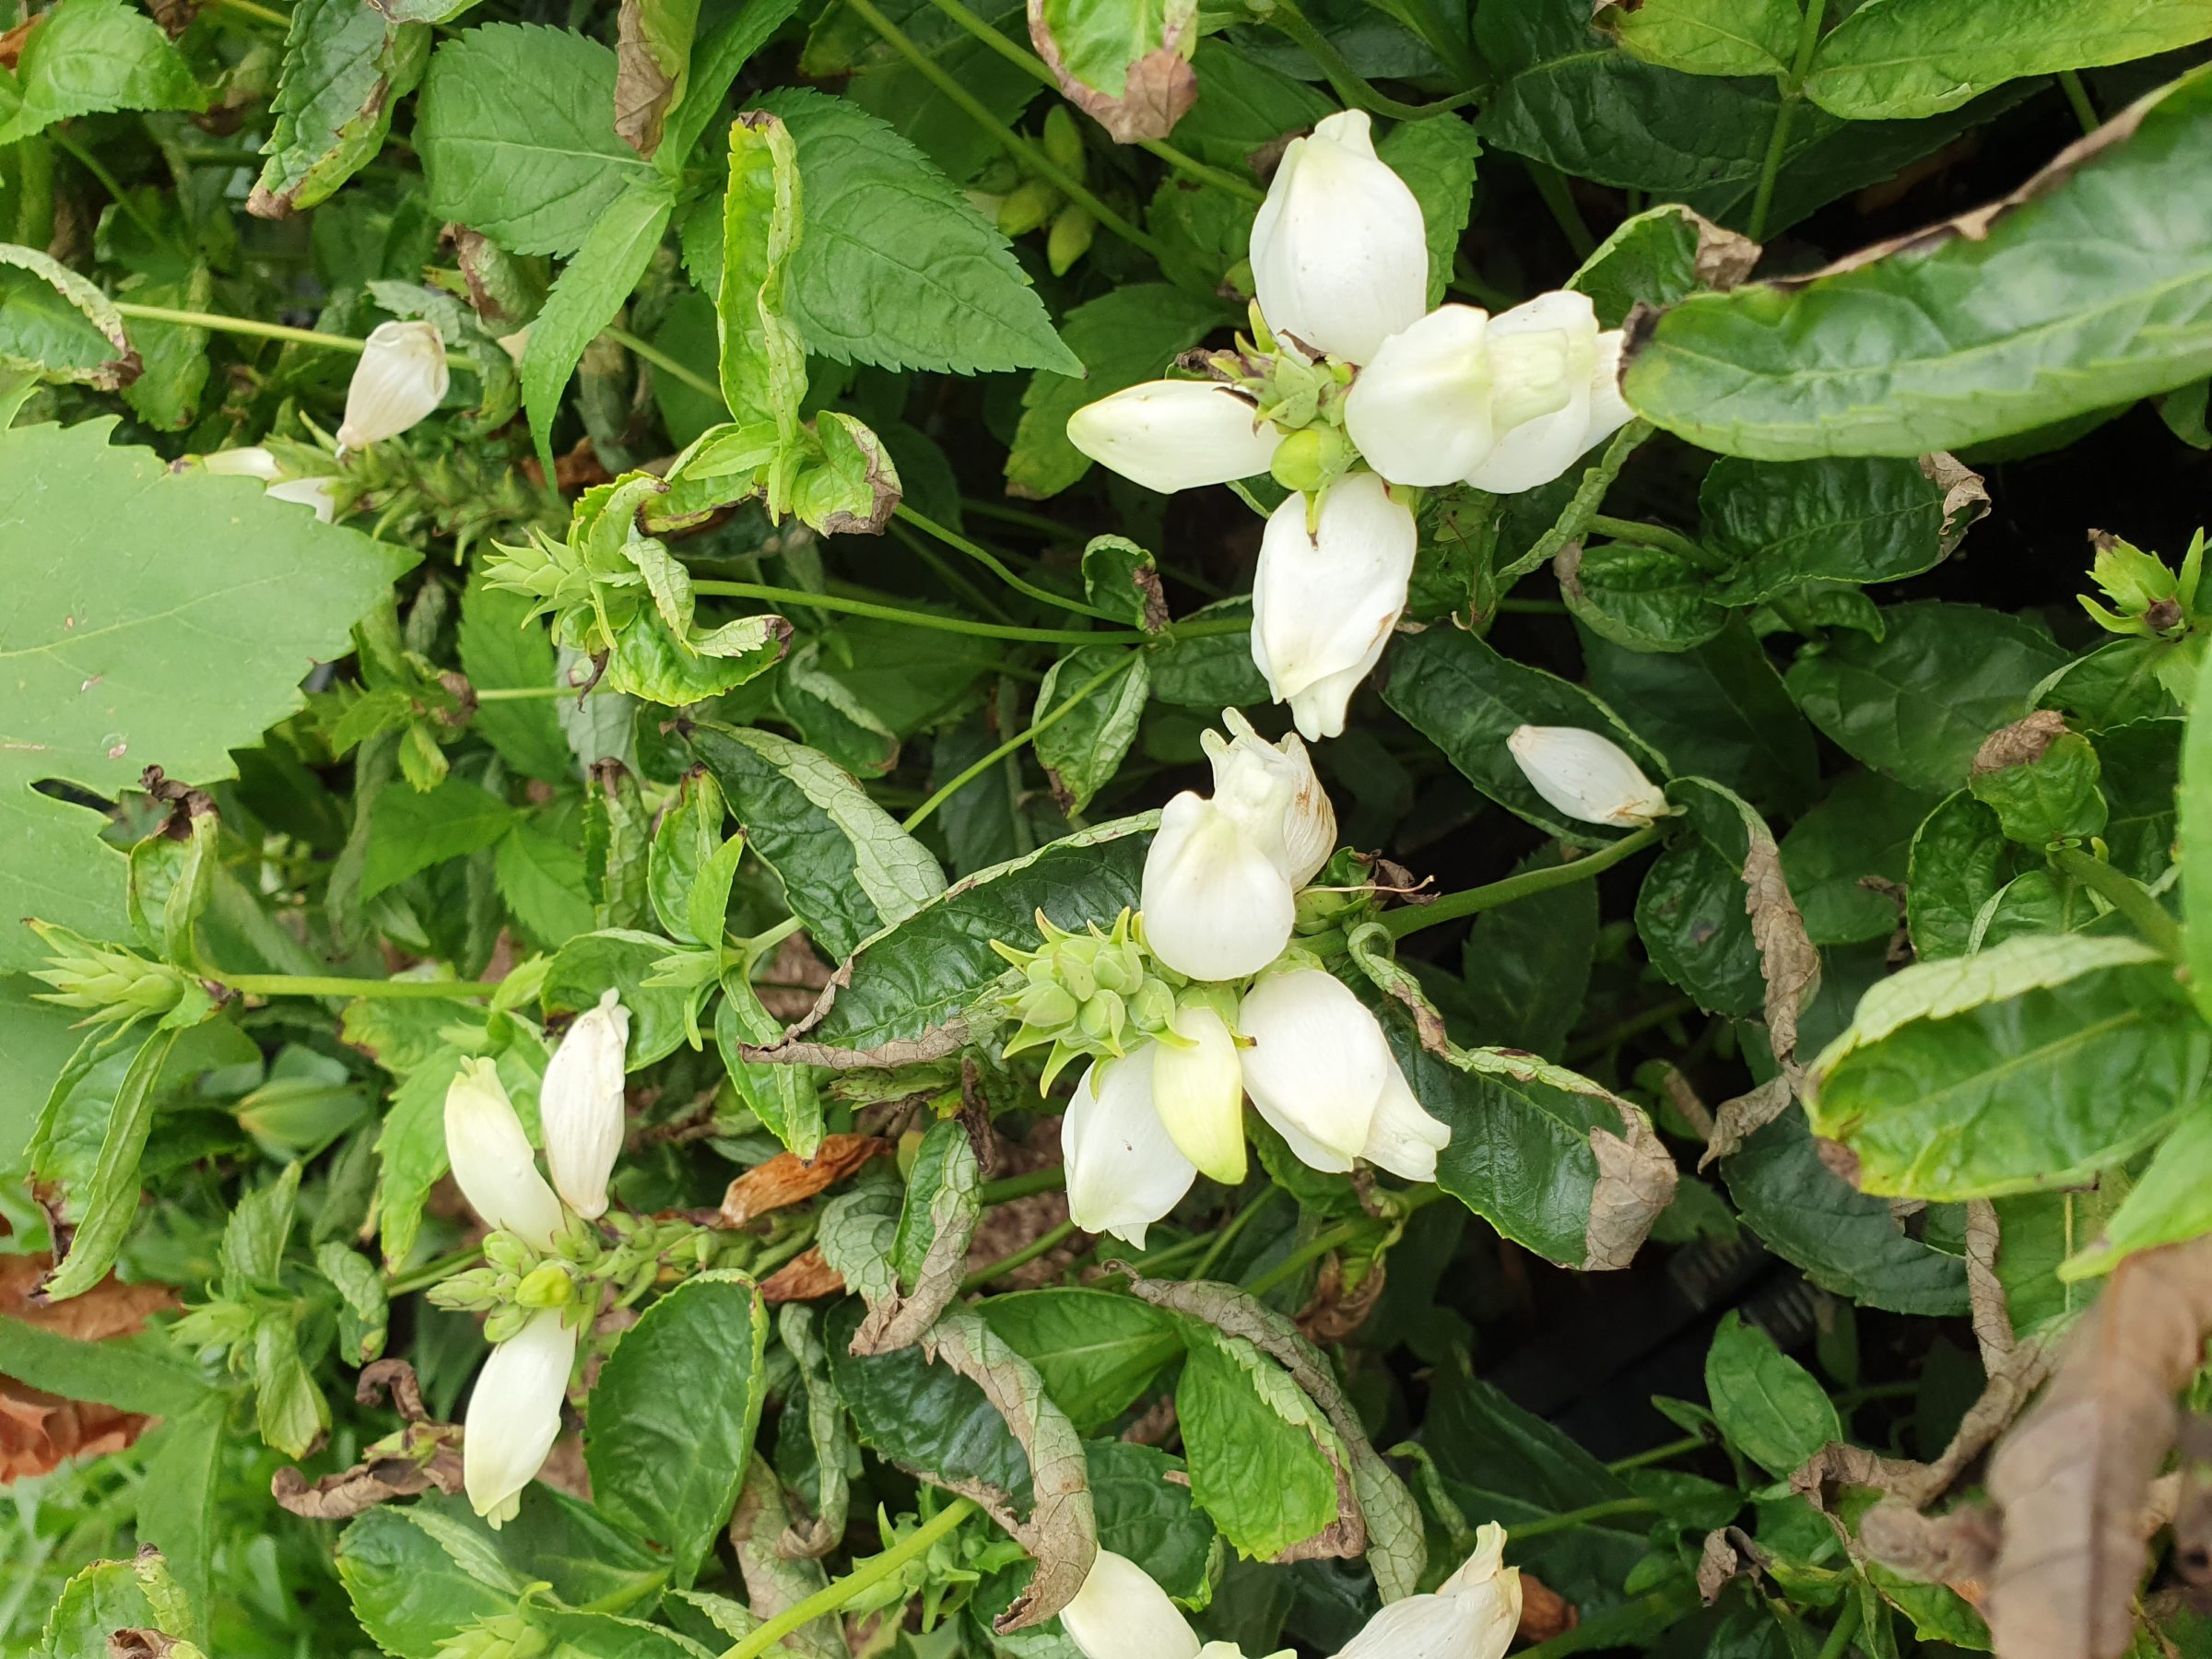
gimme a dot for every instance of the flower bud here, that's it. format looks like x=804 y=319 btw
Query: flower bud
x=1172 y=435
x=1339 y=254
x=1317 y=1065
x=1472 y=1615
x=252 y=462
x=1063 y=139
x=1322 y=605
x=1586 y=776
x=1198 y=1090
x=1025 y=207
x=548 y=1284
x=491 y=1157
x=1070 y=237
x=401 y=378
x=1120 y=1613
x=1124 y=1169
x=515 y=1414
x=580 y=1105
x=1420 y=412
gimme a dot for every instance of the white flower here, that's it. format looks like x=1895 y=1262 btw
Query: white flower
x=1323 y=605
x=1198 y=1090
x=492 y=1159
x=252 y=462
x=1124 y=1169
x=1339 y=255
x=401 y=378
x=1543 y=368
x=1420 y=412
x=1472 y=1615
x=1320 y=1071
x=1172 y=435
x=1222 y=875
x=580 y=1105
x=1586 y=776
x=515 y=1414
x=320 y=494
x=1120 y=1614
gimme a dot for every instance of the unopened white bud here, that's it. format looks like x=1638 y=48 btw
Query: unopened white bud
x=1339 y=254
x=1120 y=1613
x=1586 y=775
x=491 y=1157
x=515 y=1414
x=1170 y=435
x=1324 y=604
x=1124 y=1170
x=401 y=378
x=580 y=1105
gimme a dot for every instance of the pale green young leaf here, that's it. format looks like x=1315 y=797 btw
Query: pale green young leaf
x=1708 y=37
x=763 y=361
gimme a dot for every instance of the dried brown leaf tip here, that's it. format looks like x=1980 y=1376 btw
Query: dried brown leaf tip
x=1158 y=91
x=786 y=1179
x=39 y=1431
x=422 y=1456
x=805 y=1277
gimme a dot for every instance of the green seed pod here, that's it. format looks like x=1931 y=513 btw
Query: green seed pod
x=1300 y=460
x=1152 y=1006
x=1047 y=1006
x=1103 y=1019
x=549 y=1287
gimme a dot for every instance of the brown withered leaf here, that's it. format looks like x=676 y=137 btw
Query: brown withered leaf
x=140 y=1644
x=1984 y=1289
x=423 y=1462
x=2020 y=744
x=2072 y=1477
x=775 y=1582
x=787 y=1179
x=1745 y=1115
x=1727 y=1555
x=11 y=40
x=805 y=1277
x=38 y=1430
x=1787 y=960
x=1160 y=90
x=1636 y=1179
x=1545 y=1612
x=1965 y=499
x=643 y=85
x=1958 y=1548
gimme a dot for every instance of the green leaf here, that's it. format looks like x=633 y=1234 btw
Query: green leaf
x=176 y=1502
x=1210 y=671
x=1768 y=1404
x=1130 y=335
x=174 y=354
x=921 y=1415
x=2169 y=1202
x=290 y=1412
x=1095 y=47
x=105 y=1597
x=104 y=643
x=2030 y=1065
x=690 y=873
x=411 y=830
x=515 y=129
x=1527 y=964
x=1963 y=337
x=1864 y=520
x=141 y=1374
x=2194 y=840
x=1657 y=257
x=346 y=67
x=1457 y=691
x=908 y=984
x=674 y=1413
x=1863 y=829
x=763 y=364
x=1917 y=702
x=895 y=266
x=784 y=1098
x=90 y=55
x=1643 y=598
x=1263 y=1461
x=894 y=90
x=1086 y=746
x=1708 y=37
x=2041 y=1238
x=57 y=324
x=848 y=870
x=1145 y=1509
x=1097 y=1351
x=1967 y=886
x=103 y=1208
x=1690 y=916
x=622 y=960
x=1436 y=158
x=502 y=649
x=722 y=52
x=624 y=235
x=1918 y=57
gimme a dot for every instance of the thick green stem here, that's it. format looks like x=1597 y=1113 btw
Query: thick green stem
x=1475 y=900
x=2078 y=95
x=2125 y=894
x=1567 y=1520
x=1793 y=93
x=664 y=363
x=432 y=1273
x=1031 y=155
x=485 y=694
x=864 y=1576
x=1656 y=536
x=1657 y=1455
x=996 y=566
x=1041 y=1246
x=925 y=619
x=1050 y=717
x=306 y=984
x=1847 y=1626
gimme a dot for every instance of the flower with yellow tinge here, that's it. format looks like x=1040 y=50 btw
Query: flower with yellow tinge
x=401 y=377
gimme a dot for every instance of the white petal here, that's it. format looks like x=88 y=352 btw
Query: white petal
x=1403 y=1138
x=1420 y=412
x=491 y=1157
x=1586 y=775
x=320 y=495
x=1270 y=791
x=1198 y=1091
x=1608 y=410
x=1172 y=435
x=1323 y=606
x=1339 y=254
x=1317 y=1061
x=250 y=462
x=1472 y=1614
x=580 y=1105
x=1217 y=904
x=401 y=378
x=1534 y=452
x=1123 y=1173
x=515 y=1414
x=1120 y=1614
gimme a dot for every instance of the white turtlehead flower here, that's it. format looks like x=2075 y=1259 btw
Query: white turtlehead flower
x=580 y=1105
x=491 y=1157
x=515 y=1414
x=1420 y=412
x=1324 y=604
x=1222 y=875
x=1170 y=435
x=1121 y=1613
x=319 y=495
x=1472 y=1615
x=1587 y=776
x=1123 y=1169
x=1320 y=1071
x=1543 y=370
x=1339 y=254
x=1198 y=1090
x=250 y=461
x=401 y=378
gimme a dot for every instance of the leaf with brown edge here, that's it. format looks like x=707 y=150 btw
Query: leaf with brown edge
x=777 y=1580
x=423 y=1459
x=38 y=1430
x=93 y=350
x=786 y=1179
x=1156 y=84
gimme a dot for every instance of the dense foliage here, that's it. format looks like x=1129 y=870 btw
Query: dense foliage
x=1228 y=788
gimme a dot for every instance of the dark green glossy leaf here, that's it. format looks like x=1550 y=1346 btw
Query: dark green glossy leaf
x=1096 y=1351
x=1768 y=1404
x=1851 y=520
x=1862 y=831
x=1145 y=1512
x=619 y=960
x=1526 y=965
x=1435 y=158
x=1643 y=598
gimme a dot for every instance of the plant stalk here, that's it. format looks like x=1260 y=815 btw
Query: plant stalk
x=1012 y=744
x=864 y=1576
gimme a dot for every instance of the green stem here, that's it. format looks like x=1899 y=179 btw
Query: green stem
x=996 y=566
x=1028 y=1253
x=1031 y=155
x=1567 y=1519
x=1017 y=515
x=1655 y=535
x=1635 y=1025
x=1847 y=1626
x=1552 y=187
x=1191 y=167
x=2125 y=894
x=942 y=569
x=1793 y=93
x=485 y=694
x=1051 y=1179
x=863 y=1577
x=2069 y=81
x=129 y=209
x=1052 y=717
x=1475 y=900
x=1657 y=1455
x=925 y=619
x=248 y=8
x=264 y=331
x=307 y=985
x=664 y=363
x=1226 y=1236
x=1352 y=86
x=430 y=1273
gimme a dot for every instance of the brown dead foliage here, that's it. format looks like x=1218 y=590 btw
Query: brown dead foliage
x=40 y=1430
x=786 y=1179
x=805 y=1277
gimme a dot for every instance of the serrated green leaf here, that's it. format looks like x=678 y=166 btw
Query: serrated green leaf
x=1263 y=1461
x=90 y=55
x=57 y=324
x=412 y=830
x=346 y=66
x=1096 y=1351
x=1082 y=750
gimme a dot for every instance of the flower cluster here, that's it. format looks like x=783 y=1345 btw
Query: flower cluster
x=1352 y=367
x=515 y=1412
x=1121 y=1613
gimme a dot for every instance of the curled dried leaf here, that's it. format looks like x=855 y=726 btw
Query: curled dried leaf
x=786 y=1179
x=807 y=1276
